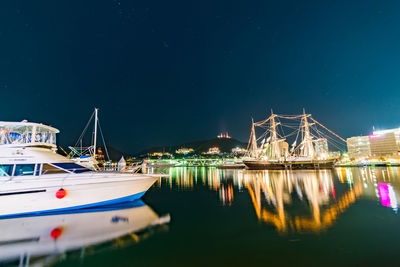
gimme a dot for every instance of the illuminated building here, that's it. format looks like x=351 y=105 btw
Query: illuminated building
x=184 y=151
x=358 y=147
x=380 y=143
x=160 y=154
x=213 y=151
x=224 y=135
x=321 y=146
x=385 y=143
x=239 y=150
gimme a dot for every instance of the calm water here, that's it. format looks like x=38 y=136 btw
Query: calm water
x=206 y=216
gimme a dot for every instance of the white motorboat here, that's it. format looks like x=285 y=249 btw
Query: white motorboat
x=28 y=239
x=35 y=179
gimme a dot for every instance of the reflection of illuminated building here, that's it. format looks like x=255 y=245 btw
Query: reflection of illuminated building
x=387 y=195
x=378 y=183
x=187 y=178
x=299 y=201
x=226 y=194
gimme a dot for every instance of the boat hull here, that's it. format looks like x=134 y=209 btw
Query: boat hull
x=268 y=165
x=80 y=193
x=34 y=236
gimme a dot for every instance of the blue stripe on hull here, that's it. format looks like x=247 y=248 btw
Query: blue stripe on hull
x=88 y=206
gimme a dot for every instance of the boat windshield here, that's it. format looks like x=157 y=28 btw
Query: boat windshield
x=27 y=133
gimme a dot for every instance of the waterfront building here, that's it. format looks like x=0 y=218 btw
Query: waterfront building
x=213 y=151
x=358 y=147
x=385 y=143
x=321 y=148
x=239 y=151
x=378 y=144
x=160 y=154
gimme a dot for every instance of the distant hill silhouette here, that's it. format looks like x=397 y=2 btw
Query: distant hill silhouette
x=115 y=154
x=224 y=144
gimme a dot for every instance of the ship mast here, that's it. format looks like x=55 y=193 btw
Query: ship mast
x=275 y=151
x=308 y=148
x=253 y=146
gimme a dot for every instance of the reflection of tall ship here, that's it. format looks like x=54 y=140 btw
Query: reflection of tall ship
x=309 y=149
x=25 y=239
x=276 y=194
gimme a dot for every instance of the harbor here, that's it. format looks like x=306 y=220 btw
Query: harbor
x=294 y=193
x=199 y=133
x=224 y=212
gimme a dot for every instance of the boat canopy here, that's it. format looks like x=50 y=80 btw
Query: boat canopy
x=29 y=133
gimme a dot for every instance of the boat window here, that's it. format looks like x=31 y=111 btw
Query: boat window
x=6 y=169
x=50 y=169
x=72 y=167
x=37 y=172
x=22 y=134
x=24 y=169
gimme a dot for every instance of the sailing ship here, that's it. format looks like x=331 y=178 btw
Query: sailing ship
x=309 y=149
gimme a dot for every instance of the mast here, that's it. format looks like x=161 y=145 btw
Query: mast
x=275 y=151
x=253 y=147
x=308 y=149
x=95 y=130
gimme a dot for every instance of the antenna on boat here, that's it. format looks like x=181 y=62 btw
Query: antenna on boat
x=95 y=130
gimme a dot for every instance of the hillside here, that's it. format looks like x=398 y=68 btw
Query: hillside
x=224 y=144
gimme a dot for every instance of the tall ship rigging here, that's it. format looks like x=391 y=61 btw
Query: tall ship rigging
x=309 y=149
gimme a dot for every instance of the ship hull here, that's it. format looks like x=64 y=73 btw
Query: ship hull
x=268 y=165
x=38 y=196
x=231 y=166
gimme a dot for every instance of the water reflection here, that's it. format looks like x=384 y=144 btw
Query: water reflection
x=295 y=201
x=381 y=184
x=298 y=200
x=43 y=239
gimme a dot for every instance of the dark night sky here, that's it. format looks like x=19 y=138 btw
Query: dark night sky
x=166 y=72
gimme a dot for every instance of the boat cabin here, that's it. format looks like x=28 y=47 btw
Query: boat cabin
x=28 y=149
x=27 y=133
